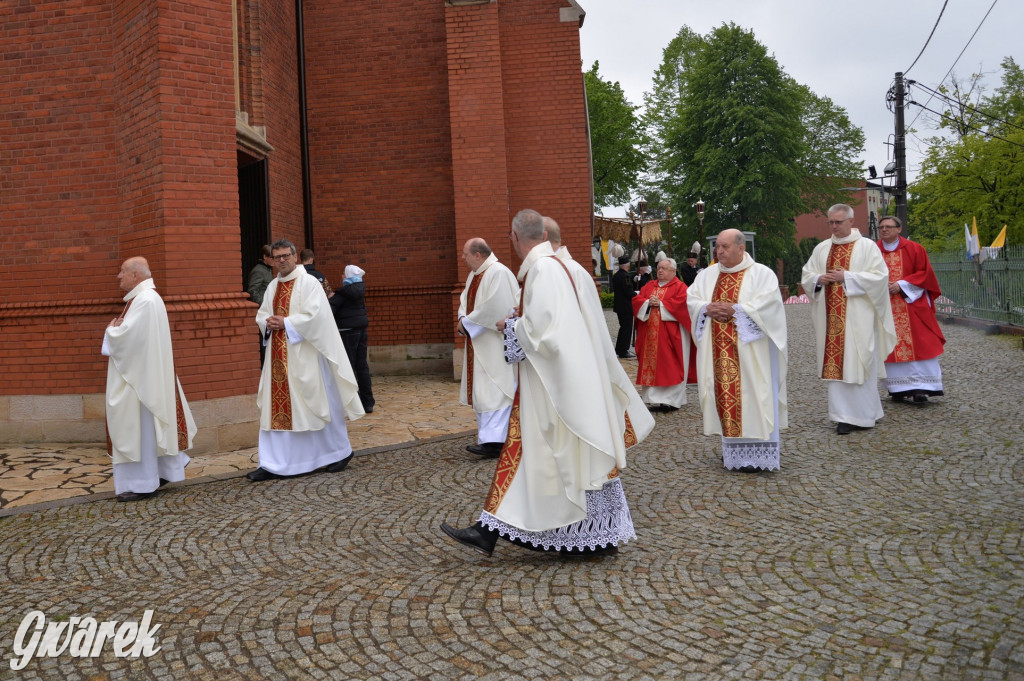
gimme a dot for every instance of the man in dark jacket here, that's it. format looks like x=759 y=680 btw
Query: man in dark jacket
x=348 y=304
x=622 y=288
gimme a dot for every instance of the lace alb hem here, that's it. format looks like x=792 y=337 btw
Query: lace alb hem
x=902 y=383
x=747 y=330
x=763 y=455
x=702 y=320
x=608 y=522
x=514 y=352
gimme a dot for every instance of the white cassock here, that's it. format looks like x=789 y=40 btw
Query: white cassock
x=556 y=485
x=494 y=292
x=869 y=334
x=627 y=400
x=762 y=354
x=307 y=386
x=147 y=432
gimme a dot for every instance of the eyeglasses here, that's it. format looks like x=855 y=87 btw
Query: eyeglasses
x=282 y=256
x=836 y=222
x=888 y=225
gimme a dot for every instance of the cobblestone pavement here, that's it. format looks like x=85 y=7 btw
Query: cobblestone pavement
x=894 y=553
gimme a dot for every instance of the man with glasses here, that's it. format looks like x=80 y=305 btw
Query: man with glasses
x=912 y=370
x=847 y=283
x=307 y=386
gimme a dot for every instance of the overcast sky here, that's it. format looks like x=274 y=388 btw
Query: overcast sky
x=848 y=52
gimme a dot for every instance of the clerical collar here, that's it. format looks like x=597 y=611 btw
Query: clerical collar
x=144 y=285
x=849 y=238
x=746 y=262
x=491 y=259
x=893 y=246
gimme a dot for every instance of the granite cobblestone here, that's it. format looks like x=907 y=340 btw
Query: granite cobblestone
x=891 y=554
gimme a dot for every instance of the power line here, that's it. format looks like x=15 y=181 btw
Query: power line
x=941 y=11
x=968 y=127
x=951 y=100
x=958 y=56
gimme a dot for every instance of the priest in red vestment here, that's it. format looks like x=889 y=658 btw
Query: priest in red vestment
x=912 y=369
x=663 y=339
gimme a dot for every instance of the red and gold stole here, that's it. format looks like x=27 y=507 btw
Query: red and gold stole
x=647 y=369
x=835 y=313
x=725 y=357
x=474 y=285
x=180 y=418
x=904 y=350
x=280 y=393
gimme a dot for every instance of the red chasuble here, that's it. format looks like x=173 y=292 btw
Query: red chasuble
x=659 y=344
x=917 y=331
x=280 y=392
x=835 y=314
x=725 y=357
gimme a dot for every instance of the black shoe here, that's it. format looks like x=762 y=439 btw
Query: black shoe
x=164 y=482
x=748 y=469
x=920 y=398
x=261 y=474
x=476 y=537
x=898 y=397
x=133 y=496
x=844 y=428
x=488 y=450
x=338 y=466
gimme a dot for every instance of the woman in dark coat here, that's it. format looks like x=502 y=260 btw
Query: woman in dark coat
x=349 y=307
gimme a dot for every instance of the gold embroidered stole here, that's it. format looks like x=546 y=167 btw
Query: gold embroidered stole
x=512 y=450
x=280 y=393
x=835 y=313
x=474 y=285
x=904 y=350
x=725 y=357
x=647 y=369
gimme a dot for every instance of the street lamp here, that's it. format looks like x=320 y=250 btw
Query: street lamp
x=700 y=222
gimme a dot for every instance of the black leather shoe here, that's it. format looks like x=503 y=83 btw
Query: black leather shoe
x=844 y=428
x=488 y=450
x=920 y=398
x=338 y=466
x=476 y=537
x=748 y=469
x=898 y=397
x=261 y=474
x=133 y=496
x=164 y=482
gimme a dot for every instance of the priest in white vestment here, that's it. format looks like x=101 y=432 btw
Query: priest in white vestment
x=149 y=424
x=307 y=386
x=739 y=325
x=847 y=283
x=632 y=418
x=556 y=486
x=488 y=381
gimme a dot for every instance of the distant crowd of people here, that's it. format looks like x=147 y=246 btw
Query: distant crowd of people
x=554 y=405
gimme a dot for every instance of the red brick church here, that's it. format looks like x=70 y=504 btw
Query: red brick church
x=191 y=132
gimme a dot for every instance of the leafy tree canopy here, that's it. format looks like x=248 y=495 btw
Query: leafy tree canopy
x=616 y=138
x=974 y=167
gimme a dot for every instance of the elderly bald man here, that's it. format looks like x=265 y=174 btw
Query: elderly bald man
x=149 y=424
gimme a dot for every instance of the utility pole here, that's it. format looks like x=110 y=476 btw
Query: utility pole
x=901 y=155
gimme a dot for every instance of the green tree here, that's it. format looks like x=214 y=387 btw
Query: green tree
x=737 y=141
x=974 y=167
x=831 y=145
x=616 y=139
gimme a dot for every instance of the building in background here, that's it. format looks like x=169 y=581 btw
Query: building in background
x=379 y=134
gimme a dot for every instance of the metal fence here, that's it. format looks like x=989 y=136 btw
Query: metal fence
x=992 y=290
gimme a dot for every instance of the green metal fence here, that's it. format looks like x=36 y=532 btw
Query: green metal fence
x=993 y=290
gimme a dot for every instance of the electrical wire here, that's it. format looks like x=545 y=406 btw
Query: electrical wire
x=941 y=11
x=971 y=128
x=957 y=57
x=950 y=100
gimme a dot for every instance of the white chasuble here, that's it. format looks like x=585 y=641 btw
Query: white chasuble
x=140 y=374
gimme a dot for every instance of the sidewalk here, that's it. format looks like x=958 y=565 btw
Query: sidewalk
x=409 y=410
